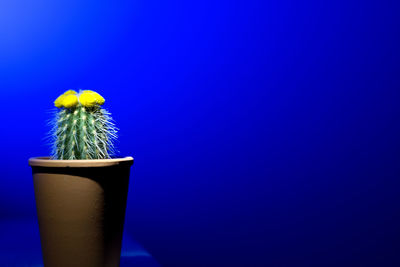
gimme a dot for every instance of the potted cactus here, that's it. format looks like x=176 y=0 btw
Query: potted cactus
x=81 y=189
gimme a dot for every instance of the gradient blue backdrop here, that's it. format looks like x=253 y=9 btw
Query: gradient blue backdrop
x=265 y=133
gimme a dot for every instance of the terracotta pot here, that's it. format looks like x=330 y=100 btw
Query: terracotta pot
x=81 y=209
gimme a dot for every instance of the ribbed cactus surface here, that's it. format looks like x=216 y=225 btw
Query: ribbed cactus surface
x=82 y=128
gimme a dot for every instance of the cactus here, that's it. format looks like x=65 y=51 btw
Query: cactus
x=82 y=129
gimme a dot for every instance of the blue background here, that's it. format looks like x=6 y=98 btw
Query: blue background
x=265 y=133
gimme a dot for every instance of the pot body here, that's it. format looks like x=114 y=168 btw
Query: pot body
x=81 y=209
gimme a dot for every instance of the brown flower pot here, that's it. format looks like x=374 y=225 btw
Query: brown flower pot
x=81 y=209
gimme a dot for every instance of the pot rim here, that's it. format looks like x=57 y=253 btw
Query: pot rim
x=79 y=163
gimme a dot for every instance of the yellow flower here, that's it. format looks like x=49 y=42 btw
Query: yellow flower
x=70 y=101
x=59 y=101
x=87 y=98
x=70 y=92
x=90 y=98
x=99 y=99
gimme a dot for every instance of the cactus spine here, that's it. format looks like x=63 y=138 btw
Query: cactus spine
x=82 y=128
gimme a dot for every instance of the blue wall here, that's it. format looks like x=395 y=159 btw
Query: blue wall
x=264 y=132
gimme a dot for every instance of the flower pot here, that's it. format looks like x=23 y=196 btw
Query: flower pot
x=81 y=209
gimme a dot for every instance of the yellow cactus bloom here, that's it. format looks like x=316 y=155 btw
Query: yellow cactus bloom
x=70 y=92
x=99 y=99
x=70 y=101
x=87 y=98
x=90 y=98
x=59 y=101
